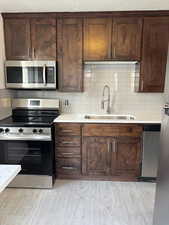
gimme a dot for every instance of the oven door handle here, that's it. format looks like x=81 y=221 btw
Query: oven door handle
x=44 y=74
x=16 y=138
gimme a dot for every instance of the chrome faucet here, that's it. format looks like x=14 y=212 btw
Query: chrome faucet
x=106 y=87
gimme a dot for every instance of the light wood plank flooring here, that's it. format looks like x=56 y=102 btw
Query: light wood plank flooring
x=74 y=202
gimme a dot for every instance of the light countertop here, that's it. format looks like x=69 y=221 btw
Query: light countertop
x=7 y=174
x=80 y=118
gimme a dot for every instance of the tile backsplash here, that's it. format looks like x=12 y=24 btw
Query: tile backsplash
x=120 y=78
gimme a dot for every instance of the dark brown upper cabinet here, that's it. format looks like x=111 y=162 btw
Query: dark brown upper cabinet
x=43 y=36
x=126 y=38
x=112 y=39
x=70 y=52
x=27 y=39
x=97 y=38
x=17 y=39
x=154 y=54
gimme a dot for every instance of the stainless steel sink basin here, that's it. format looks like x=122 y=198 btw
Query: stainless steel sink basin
x=110 y=117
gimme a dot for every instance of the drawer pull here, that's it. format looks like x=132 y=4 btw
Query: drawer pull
x=68 y=168
x=66 y=131
x=67 y=142
x=67 y=153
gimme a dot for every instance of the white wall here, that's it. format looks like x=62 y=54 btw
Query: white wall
x=81 y=5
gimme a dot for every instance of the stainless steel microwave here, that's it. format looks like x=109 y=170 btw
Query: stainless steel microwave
x=30 y=74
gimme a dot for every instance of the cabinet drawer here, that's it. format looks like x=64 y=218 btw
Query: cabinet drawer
x=68 y=166
x=67 y=151
x=68 y=141
x=63 y=129
x=110 y=130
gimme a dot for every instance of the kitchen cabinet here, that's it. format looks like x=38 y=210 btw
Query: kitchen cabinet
x=126 y=156
x=126 y=38
x=17 y=39
x=96 y=156
x=30 y=39
x=108 y=152
x=70 y=53
x=97 y=38
x=68 y=150
x=112 y=38
x=154 y=54
x=43 y=39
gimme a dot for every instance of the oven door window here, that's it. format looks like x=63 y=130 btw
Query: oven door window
x=34 y=157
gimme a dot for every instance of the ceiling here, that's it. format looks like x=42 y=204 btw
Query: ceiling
x=81 y=5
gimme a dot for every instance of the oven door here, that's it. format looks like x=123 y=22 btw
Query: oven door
x=35 y=157
x=31 y=74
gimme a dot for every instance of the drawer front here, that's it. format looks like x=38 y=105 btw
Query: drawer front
x=68 y=141
x=68 y=166
x=67 y=151
x=110 y=130
x=63 y=129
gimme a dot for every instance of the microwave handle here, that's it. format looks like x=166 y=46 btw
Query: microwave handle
x=44 y=74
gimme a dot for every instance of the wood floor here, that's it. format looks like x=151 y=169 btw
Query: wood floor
x=79 y=203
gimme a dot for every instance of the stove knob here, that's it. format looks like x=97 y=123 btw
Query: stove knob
x=1 y=130
x=20 y=130
x=7 y=130
x=34 y=131
x=40 y=131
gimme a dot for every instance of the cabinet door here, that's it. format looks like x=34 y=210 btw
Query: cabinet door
x=96 y=156
x=154 y=54
x=43 y=35
x=70 y=54
x=97 y=38
x=126 y=40
x=17 y=39
x=126 y=156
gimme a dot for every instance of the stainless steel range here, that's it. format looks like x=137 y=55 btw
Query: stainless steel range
x=26 y=139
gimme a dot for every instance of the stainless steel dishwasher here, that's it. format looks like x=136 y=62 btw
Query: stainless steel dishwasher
x=151 y=149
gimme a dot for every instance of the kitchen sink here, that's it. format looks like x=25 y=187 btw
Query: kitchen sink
x=110 y=117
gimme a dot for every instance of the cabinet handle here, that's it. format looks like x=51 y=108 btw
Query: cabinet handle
x=66 y=154
x=142 y=85
x=33 y=52
x=114 y=146
x=67 y=142
x=114 y=52
x=29 y=52
x=109 y=146
x=65 y=131
x=68 y=167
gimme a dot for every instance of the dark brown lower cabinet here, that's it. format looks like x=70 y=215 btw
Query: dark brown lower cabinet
x=82 y=152
x=95 y=155
x=126 y=156
x=112 y=157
